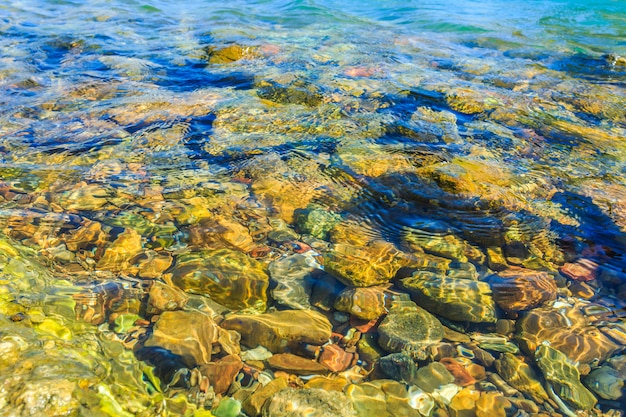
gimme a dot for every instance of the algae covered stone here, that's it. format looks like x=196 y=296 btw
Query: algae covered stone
x=409 y=329
x=521 y=376
x=279 y=330
x=564 y=377
x=229 y=277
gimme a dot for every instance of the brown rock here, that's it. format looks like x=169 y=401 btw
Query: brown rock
x=461 y=375
x=516 y=289
x=294 y=364
x=229 y=277
x=189 y=334
x=280 y=329
x=150 y=264
x=222 y=373
x=117 y=255
x=254 y=403
x=364 y=266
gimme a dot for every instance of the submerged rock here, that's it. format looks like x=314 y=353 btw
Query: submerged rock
x=564 y=377
x=309 y=402
x=398 y=366
x=364 y=303
x=163 y=297
x=409 y=329
x=316 y=221
x=298 y=92
x=521 y=376
x=452 y=298
x=606 y=382
x=279 y=330
x=188 y=334
x=229 y=54
x=222 y=372
x=516 y=289
x=229 y=277
x=566 y=329
x=292 y=278
x=364 y=266
x=294 y=364
x=433 y=376
x=387 y=398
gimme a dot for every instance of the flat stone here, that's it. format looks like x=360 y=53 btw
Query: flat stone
x=492 y=404
x=464 y=403
x=387 y=398
x=521 y=376
x=516 y=289
x=606 y=382
x=294 y=364
x=292 y=278
x=336 y=358
x=279 y=330
x=568 y=329
x=163 y=297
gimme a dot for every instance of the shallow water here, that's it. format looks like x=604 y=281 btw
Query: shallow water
x=203 y=145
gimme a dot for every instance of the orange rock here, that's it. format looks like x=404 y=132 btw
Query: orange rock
x=222 y=373
x=461 y=375
x=335 y=358
x=581 y=270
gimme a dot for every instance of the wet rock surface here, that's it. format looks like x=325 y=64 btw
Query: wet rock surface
x=276 y=218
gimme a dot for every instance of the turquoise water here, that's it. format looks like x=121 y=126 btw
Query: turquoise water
x=137 y=137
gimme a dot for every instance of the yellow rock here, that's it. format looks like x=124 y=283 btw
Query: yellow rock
x=492 y=404
x=117 y=256
x=464 y=403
